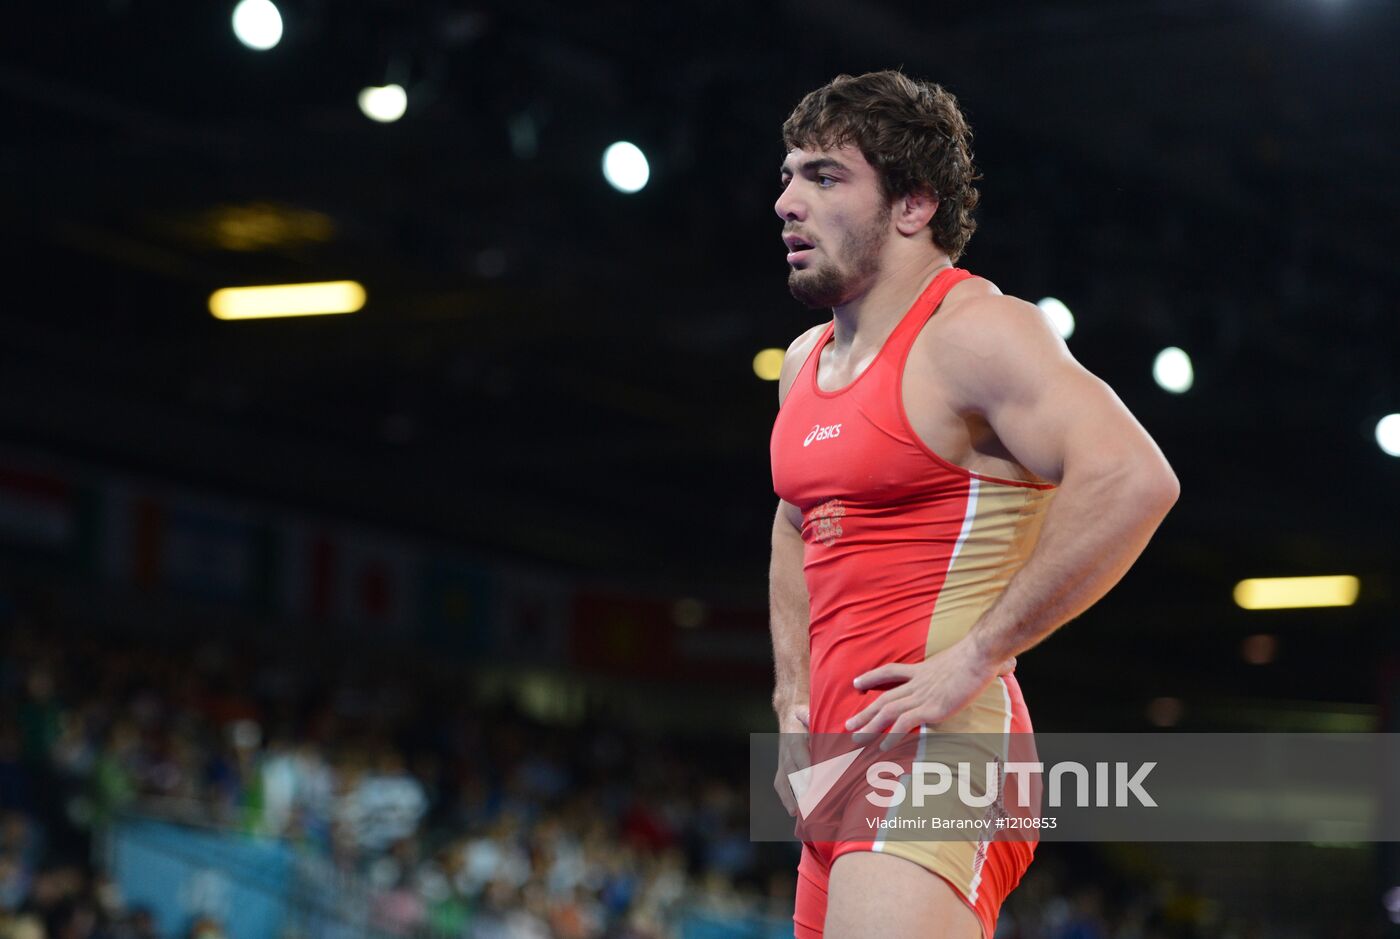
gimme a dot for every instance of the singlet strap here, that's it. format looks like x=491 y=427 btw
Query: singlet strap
x=928 y=302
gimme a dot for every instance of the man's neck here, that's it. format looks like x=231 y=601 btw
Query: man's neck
x=870 y=318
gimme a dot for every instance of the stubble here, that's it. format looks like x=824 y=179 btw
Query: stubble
x=832 y=284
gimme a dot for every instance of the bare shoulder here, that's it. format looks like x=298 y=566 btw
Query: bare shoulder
x=978 y=314
x=982 y=341
x=796 y=354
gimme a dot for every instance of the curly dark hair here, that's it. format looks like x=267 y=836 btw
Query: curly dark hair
x=911 y=132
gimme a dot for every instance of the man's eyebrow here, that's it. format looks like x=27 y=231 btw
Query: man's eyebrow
x=816 y=164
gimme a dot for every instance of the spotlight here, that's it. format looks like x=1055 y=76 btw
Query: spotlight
x=625 y=167
x=768 y=364
x=384 y=103
x=1172 y=370
x=257 y=24
x=1060 y=316
x=1388 y=434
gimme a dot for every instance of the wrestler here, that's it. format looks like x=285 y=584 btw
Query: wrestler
x=953 y=487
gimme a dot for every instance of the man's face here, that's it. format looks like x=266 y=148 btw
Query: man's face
x=835 y=223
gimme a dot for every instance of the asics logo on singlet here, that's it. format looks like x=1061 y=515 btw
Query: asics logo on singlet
x=818 y=432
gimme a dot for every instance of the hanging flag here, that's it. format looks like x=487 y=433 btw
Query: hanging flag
x=456 y=604
x=348 y=577
x=621 y=633
x=198 y=548
x=530 y=616
x=37 y=512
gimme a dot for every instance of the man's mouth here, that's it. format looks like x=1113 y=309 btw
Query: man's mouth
x=796 y=247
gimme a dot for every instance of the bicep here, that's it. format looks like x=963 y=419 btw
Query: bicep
x=1049 y=411
x=1065 y=418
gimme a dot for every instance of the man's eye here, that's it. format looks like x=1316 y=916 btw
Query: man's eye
x=826 y=182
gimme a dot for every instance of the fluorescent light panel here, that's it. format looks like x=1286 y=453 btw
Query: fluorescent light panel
x=321 y=299
x=1293 y=593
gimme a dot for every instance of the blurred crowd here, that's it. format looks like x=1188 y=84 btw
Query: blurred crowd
x=443 y=817
x=453 y=818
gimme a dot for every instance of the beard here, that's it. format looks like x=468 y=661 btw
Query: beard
x=834 y=283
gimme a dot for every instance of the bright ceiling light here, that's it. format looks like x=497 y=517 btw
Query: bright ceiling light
x=257 y=24
x=384 y=103
x=1172 y=370
x=1060 y=316
x=322 y=299
x=1293 y=593
x=1388 y=434
x=625 y=167
x=768 y=364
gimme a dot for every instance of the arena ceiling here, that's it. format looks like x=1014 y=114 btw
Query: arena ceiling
x=553 y=370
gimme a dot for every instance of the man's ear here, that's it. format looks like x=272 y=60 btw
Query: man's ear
x=914 y=211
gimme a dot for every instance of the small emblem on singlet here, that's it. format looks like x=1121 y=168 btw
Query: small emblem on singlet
x=825 y=520
x=818 y=432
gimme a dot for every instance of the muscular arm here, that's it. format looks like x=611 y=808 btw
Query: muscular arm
x=1067 y=426
x=789 y=620
x=789 y=616
x=1000 y=360
x=789 y=608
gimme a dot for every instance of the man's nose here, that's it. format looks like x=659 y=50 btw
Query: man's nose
x=789 y=207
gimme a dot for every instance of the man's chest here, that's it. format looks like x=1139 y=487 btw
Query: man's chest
x=916 y=394
x=923 y=402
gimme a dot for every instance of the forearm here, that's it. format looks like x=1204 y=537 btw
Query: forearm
x=789 y=621
x=1096 y=527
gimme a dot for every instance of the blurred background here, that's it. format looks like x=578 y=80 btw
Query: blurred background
x=447 y=617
